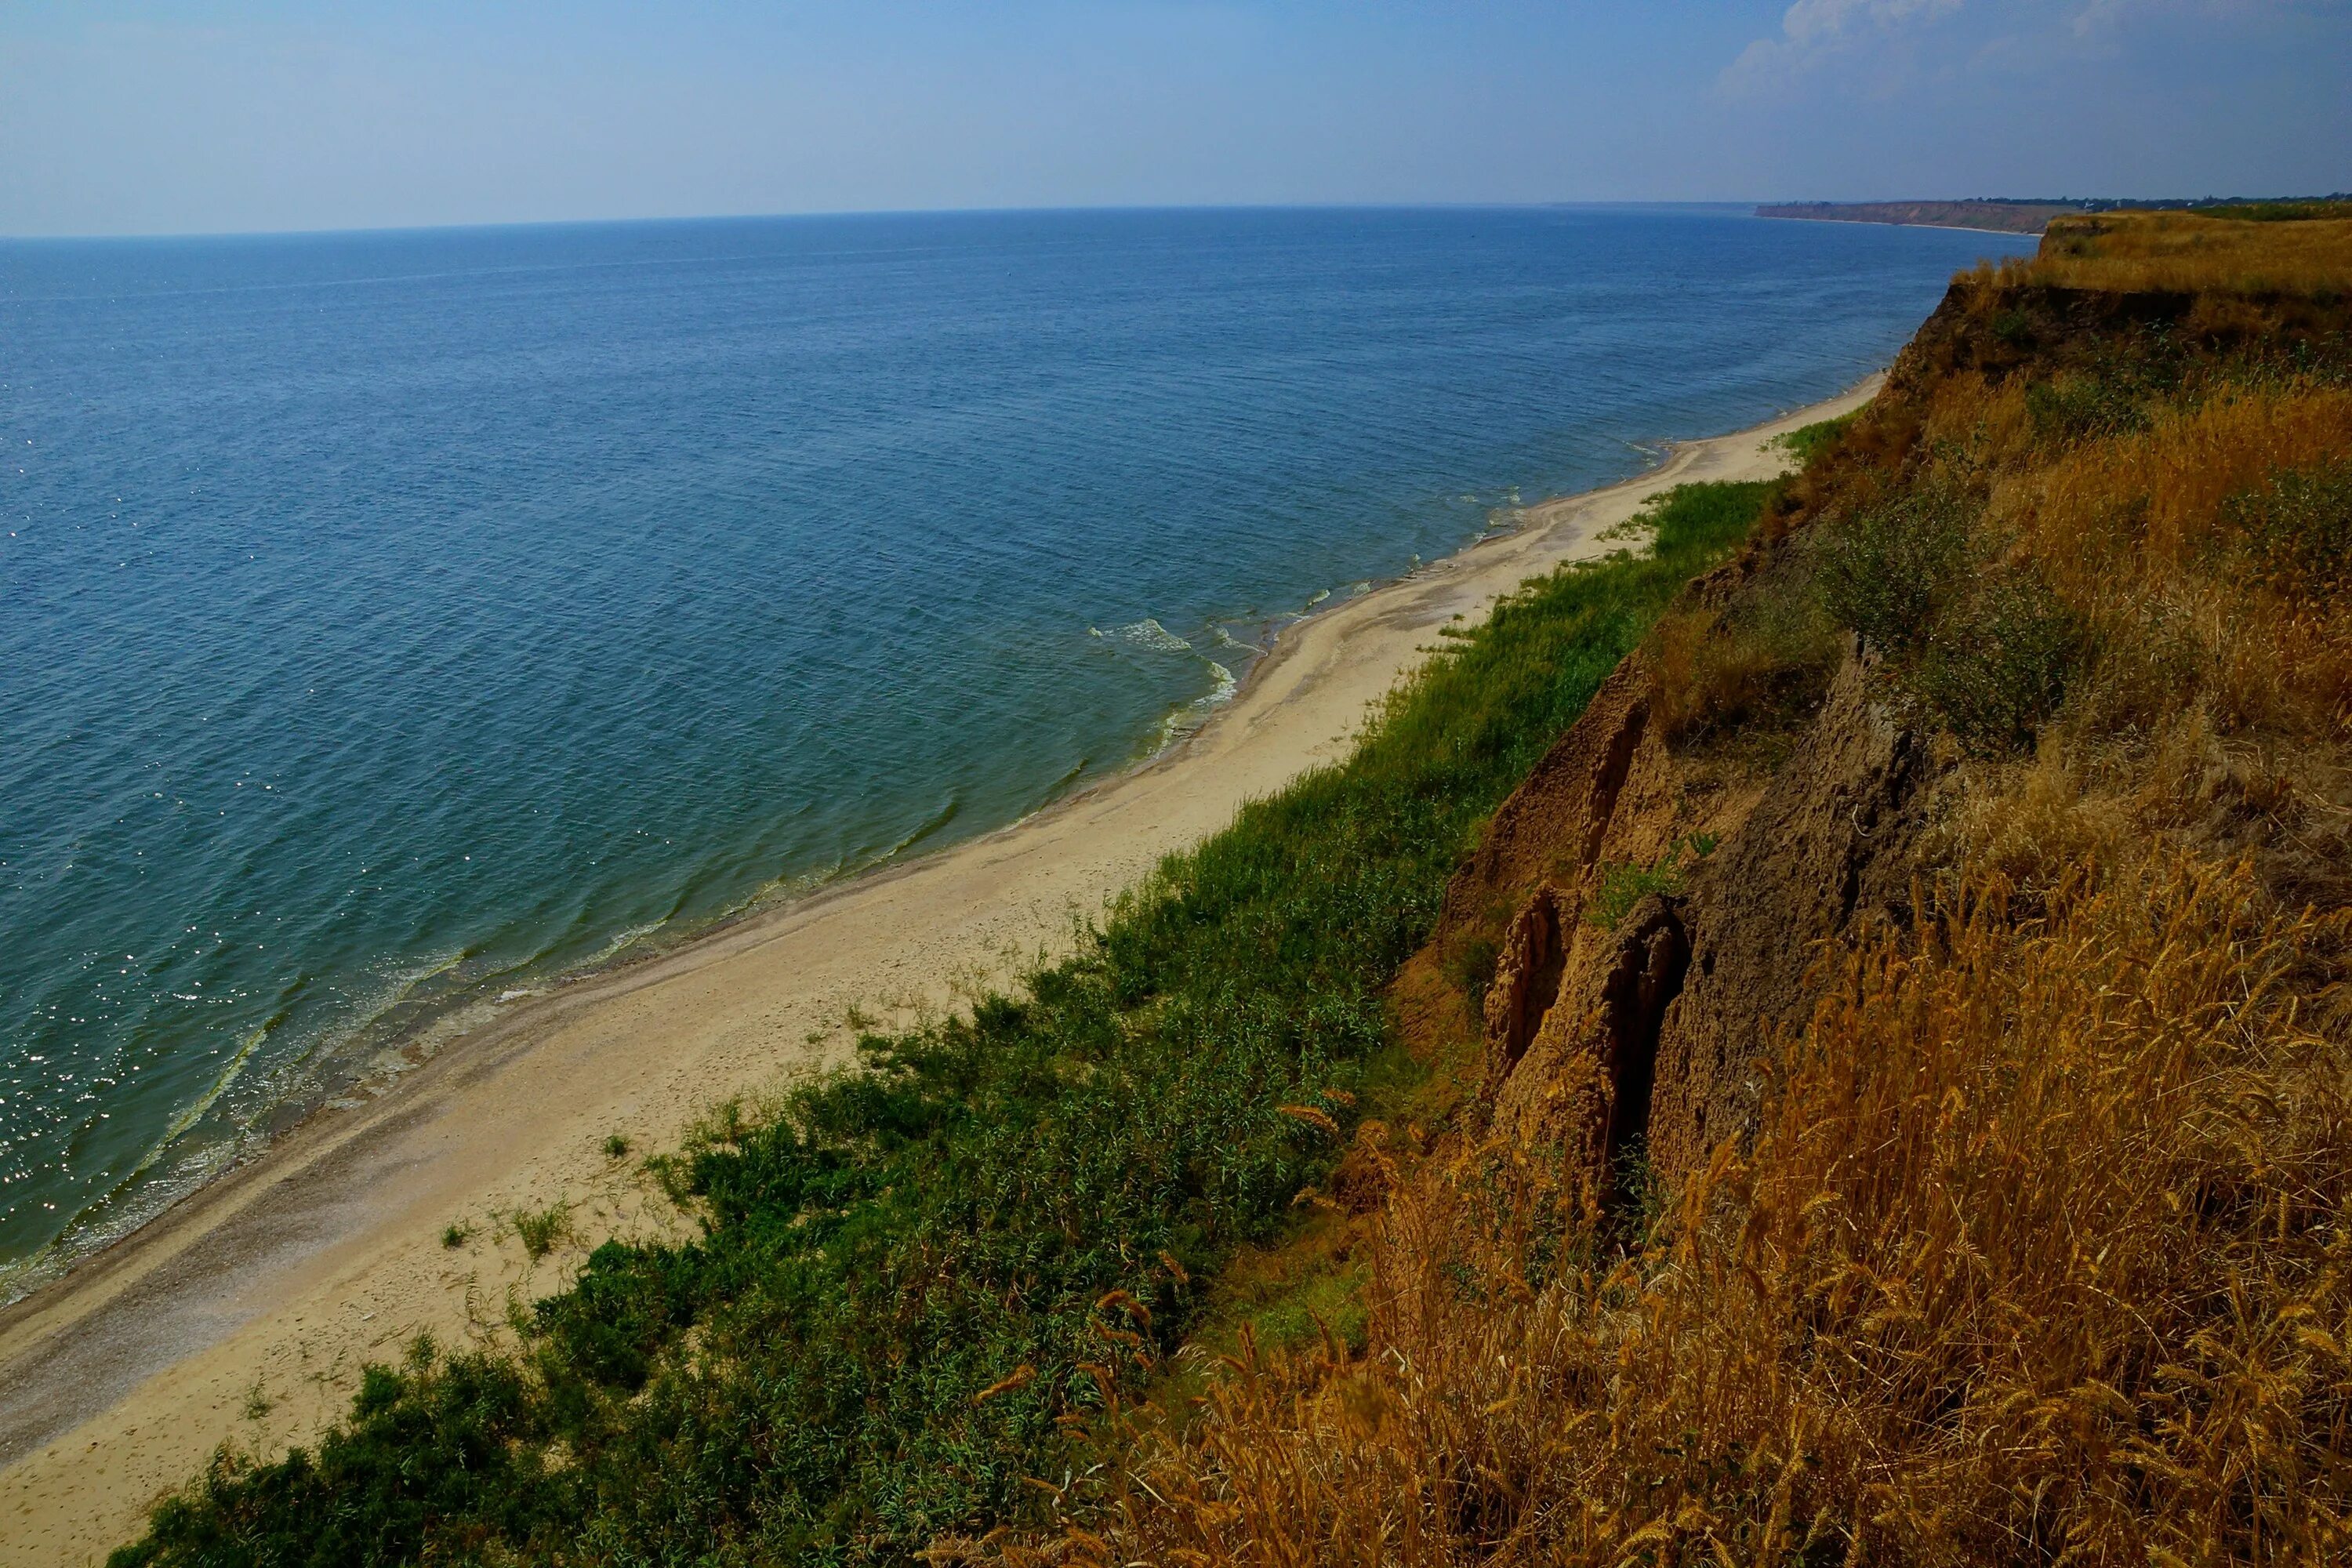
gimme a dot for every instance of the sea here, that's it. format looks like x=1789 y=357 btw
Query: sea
x=394 y=624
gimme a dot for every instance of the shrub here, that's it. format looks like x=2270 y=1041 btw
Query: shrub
x=1988 y=650
x=1886 y=570
x=2298 y=530
x=1626 y=883
x=1752 y=667
x=542 y=1230
x=2077 y=407
x=1999 y=662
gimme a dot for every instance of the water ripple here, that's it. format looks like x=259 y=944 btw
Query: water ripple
x=391 y=622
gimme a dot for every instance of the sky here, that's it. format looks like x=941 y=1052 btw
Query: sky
x=218 y=117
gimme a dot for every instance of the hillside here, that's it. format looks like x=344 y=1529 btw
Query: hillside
x=1915 y=1121
x=1821 y=1037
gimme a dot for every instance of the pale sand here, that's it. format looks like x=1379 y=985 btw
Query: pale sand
x=287 y=1275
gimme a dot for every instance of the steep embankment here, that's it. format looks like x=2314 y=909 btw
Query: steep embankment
x=1914 y=1119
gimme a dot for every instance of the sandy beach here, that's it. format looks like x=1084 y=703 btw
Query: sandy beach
x=245 y=1314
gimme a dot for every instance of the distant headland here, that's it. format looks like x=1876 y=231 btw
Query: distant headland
x=2031 y=215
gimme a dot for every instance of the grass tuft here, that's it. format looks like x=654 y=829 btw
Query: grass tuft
x=543 y=1230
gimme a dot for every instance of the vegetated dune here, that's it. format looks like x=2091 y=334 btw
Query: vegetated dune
x=1914 y=1117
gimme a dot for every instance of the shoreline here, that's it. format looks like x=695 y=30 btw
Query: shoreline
x=244 y=1311
x=2034 y=235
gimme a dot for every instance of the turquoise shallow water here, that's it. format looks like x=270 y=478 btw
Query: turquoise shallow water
x=393 y=619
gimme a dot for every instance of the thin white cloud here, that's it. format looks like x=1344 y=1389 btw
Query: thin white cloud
x=1821 y=21
x=1812 y=31
x=1881 y=43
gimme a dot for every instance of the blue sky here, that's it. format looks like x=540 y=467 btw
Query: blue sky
x=199 y=116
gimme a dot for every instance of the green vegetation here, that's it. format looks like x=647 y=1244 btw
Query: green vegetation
x=1627 y=883
x=542 y=1230
x=617 y=1146
x=2298 y=530
x=2318 y=209
x=917 y=1279
x=1985 y=645
x=1819 y=436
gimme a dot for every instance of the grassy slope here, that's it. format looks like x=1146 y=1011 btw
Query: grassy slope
x=2043 y=1250
x=917 y=1281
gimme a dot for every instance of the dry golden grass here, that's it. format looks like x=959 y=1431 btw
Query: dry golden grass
x=2046 y=1255
x=2187 y=253
x=2155 y=497
x=2138 y=533
x=1704 y=675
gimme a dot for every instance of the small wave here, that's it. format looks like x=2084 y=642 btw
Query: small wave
x=1227 y=639
x=621 y=943
x=1147 y=633
x=1320 y=594
x=1076 y=770
x=1180 y=723
x=1225 y=688
x=924 y=830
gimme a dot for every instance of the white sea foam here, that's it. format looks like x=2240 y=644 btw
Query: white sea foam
x=1227 y=639
x=1150 y=634
x=621 y=941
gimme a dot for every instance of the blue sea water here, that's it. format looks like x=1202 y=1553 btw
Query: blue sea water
x=392 y=621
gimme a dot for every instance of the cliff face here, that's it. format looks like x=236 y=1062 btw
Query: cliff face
x=1611 y=1031
x=1615 y=1032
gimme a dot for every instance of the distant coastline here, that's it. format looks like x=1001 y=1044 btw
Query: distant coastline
x=2002 y=215
x=1996 y=218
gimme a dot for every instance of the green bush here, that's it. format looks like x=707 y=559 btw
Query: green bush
x=1885 y=572
x=1806 y=441
x=1999 y=662
x=2076 y=407
x=915 y=1278
x=1626 y=883
x=2298 y=529
x=1987 y=650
